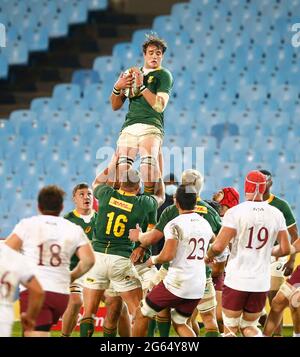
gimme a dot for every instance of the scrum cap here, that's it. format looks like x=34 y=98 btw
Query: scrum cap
x=255 y=182
x=231 y=197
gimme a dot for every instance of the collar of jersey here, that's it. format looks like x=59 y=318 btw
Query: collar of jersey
x=125 y=193
x=78 y=214
x=151 y=70
x=271 y=198
x=199 y=199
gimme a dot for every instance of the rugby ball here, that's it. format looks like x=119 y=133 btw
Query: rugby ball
x=134 y=90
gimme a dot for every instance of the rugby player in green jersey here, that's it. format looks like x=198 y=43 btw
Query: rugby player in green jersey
x=84 y=216
x=143 y=129
x=119 y=211
x=208 y=303
x=281 y=267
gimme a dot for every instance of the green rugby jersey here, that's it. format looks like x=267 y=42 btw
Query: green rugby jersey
x=148 y=224
x=118 y=212
x=202 y=208
x=88 y=228
x=140 y=111
x=283 y=207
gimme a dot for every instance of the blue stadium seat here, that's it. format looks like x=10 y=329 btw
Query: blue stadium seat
x=77 y=12
x=97 y=4
x=105 y=64
x=64 y=94
x=224 y=169
x=42 y=105
x=127 y=53
x=85 y=77
x=17 y=52
x=95 y=96
x=164 y=24
x=224 y=129
x=139 y=36
x=57 y=25
x=3 y=66
x=37 y=39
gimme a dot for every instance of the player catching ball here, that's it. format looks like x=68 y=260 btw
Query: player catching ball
x=148 y=90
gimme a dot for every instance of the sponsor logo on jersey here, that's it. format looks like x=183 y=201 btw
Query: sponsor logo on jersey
x=88 y=229
x=200 y=209
x=120 y=204
x=150 y=79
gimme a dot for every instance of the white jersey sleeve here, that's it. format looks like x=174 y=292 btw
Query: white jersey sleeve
x=229 y=219
x=172 y=231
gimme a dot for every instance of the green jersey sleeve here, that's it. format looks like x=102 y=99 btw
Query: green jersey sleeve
x=166 y=82
x=167 y=215
x=288 y=214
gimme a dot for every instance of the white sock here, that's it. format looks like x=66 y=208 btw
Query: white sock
x=296 y=334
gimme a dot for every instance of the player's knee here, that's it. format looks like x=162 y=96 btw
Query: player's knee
x=149 y=161
x=125 y=161
x=146 y=310
x=177 y=318
x=231 y=322
x=208 y=305
x=249 y=328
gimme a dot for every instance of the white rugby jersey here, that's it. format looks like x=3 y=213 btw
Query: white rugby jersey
x=50 y=242
x=14 y=269
x=257 y=225
x=186 y=276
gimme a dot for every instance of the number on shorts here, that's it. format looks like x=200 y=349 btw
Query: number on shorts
x=118 y=226
x=262 y=236
x=199 y=245
x=55 y=259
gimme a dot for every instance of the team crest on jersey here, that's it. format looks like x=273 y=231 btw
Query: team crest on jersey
x=120 y=204
x=150 y=79
x=88 y=229
x=200 y=209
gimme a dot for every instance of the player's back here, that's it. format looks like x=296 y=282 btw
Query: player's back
x=14 y=268
x=257 y=225
x=49 y=242
x=188 y=268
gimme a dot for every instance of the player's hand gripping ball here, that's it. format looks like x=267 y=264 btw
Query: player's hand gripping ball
x=137 y=82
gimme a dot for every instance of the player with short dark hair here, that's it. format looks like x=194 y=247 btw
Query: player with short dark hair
x=49 y=242
x=143 y=129
x=186 y=240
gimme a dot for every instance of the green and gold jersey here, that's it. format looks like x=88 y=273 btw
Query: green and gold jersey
x=88 y=228
x=118 y=212
x=283 y=207
x=202 y=208
x=140 y=111
x=148 y=225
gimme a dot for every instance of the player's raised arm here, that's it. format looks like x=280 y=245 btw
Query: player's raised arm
x=117 y=97
x=108 y=174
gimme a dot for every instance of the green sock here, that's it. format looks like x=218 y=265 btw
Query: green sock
x=87 y=327
x=109 y=332
x=212 y=334
x=151 y=327
x=164 y=325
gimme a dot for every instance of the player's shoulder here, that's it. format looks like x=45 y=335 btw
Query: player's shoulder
x=280 y=203
x=101 y=190
x=69 y=215
x=150 y=201
x=165 y=73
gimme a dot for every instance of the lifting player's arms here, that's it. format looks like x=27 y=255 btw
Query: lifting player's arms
x=143 y=129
